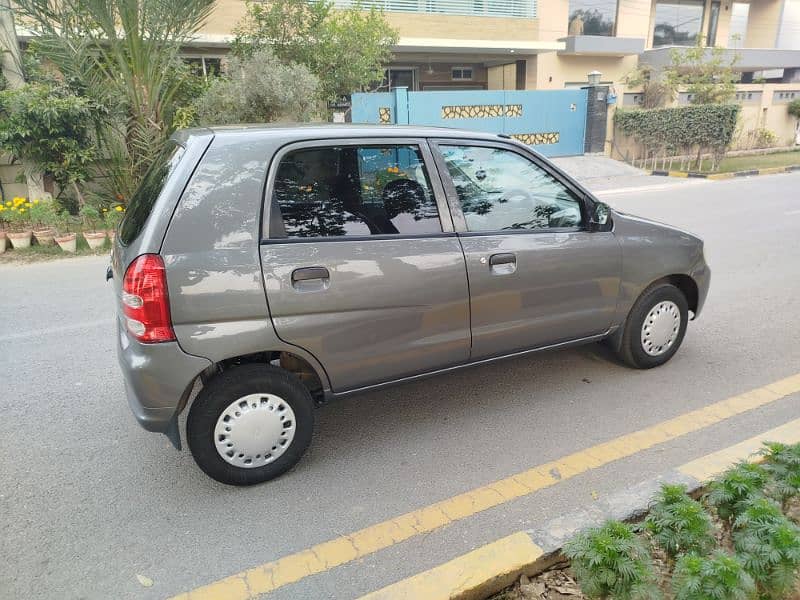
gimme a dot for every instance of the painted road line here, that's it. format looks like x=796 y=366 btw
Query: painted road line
x=660 y=187
x=492 y=567
x=713 y=464
x=473 y=575
x=339 y=551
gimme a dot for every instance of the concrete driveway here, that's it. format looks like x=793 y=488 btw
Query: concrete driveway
x=89 y=501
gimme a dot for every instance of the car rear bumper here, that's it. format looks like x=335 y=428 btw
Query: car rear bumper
x=158 y=377
x=702 y=278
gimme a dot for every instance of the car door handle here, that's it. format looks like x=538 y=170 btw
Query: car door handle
x=506 y=258
x=309 y=273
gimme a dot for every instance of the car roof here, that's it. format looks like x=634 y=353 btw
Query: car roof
x=314 y=131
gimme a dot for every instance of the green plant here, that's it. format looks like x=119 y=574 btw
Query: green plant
x=656 y=92
x=125 y=53
x=259 y=89
x=764 y=138
x=678 y=523
x=769 y=545
x=346 y=48
x=43 y=213
x=794 y=108
x=716 y=577
x=782 y=461
x=16 y=213
x=612 y=562
x=90 y=215
x=112 y=216
x=731 y=490
x=50 y=128
x=705 y=73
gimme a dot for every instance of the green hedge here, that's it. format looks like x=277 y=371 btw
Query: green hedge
x=706 y=126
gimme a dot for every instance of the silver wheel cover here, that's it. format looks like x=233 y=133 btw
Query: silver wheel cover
x=255 y=430
x=660 y=328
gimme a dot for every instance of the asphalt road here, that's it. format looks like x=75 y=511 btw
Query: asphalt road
x=88 y=500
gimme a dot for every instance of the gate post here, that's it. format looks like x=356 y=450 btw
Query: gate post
x=596 y=118
x=401 y=105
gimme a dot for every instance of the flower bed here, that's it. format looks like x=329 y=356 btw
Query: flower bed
x=31 y=229
x=739 y=540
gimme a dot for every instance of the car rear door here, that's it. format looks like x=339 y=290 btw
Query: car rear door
x=537 y=275
x=361 y=265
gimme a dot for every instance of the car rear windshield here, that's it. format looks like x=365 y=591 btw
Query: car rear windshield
x=143 y=200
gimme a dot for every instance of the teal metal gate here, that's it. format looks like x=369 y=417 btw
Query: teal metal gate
x=552 y=121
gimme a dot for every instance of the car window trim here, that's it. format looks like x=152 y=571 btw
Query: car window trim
x=271 y=211
x=459 y=220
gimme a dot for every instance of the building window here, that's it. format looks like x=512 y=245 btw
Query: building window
x=204 y=66
x=737 y=30
x=396 y=77
x=461 y=73
x=525 y=9
x=592 y=17
x=678 y=22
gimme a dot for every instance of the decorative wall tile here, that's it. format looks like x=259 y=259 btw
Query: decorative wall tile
x=548 y=137
x=481 y=111
x=385 y=114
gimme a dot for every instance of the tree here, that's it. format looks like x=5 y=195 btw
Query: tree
x=50 y=128
x=347 y=49
x=657 y=92
x=259 y=89
x=705 y=73
x=123 y=53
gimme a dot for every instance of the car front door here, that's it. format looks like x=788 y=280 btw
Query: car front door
x=361 y=264
x=538 y=275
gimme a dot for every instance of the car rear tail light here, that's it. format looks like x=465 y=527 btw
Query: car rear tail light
x=145 y=300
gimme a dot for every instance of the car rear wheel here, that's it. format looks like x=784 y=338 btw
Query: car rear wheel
x=250 y=424
x=655 y=327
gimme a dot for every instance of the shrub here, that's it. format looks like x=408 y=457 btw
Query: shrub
x=706 y=128
x=794 y=108
x=736 y=486
x=612 y=562
x=716 y=577
x=783 y=463
x=769 y=545
x=51 y=128
x=678 y=523
x=259 y=89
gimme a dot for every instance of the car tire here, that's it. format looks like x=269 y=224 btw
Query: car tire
x=655 y=327
x=250 y=424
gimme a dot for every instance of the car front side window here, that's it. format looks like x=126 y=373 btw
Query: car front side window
x=500 y=190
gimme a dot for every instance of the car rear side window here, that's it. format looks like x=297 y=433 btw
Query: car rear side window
x=340 y=191
x=144 y=198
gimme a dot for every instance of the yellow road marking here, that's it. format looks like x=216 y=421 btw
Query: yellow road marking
x=489 y=568
x=469 y=576
x=327 y=555
x=713 y=464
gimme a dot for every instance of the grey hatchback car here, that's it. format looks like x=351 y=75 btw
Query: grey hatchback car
x=276 y=268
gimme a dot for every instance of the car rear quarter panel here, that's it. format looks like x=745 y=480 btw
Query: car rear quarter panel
x=651 y=251
x=211 y=253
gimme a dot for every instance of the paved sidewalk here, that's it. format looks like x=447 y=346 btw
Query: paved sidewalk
x=604 y=174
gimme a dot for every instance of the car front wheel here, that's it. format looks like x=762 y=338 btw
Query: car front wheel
x=250 y=424
x=655 y=327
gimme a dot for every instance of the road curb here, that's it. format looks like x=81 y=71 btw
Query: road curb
x=718 y=176
x=492 y=567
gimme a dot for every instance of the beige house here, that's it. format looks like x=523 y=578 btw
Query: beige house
x=552 y=44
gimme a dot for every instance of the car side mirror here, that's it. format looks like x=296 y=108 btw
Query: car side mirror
x=599 y=217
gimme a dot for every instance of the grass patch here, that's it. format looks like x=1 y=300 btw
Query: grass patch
x=37 y=253
x=756 y=161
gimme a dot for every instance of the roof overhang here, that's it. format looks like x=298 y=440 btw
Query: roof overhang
x=747 y=59
x=482 y=47
x=601 y=45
